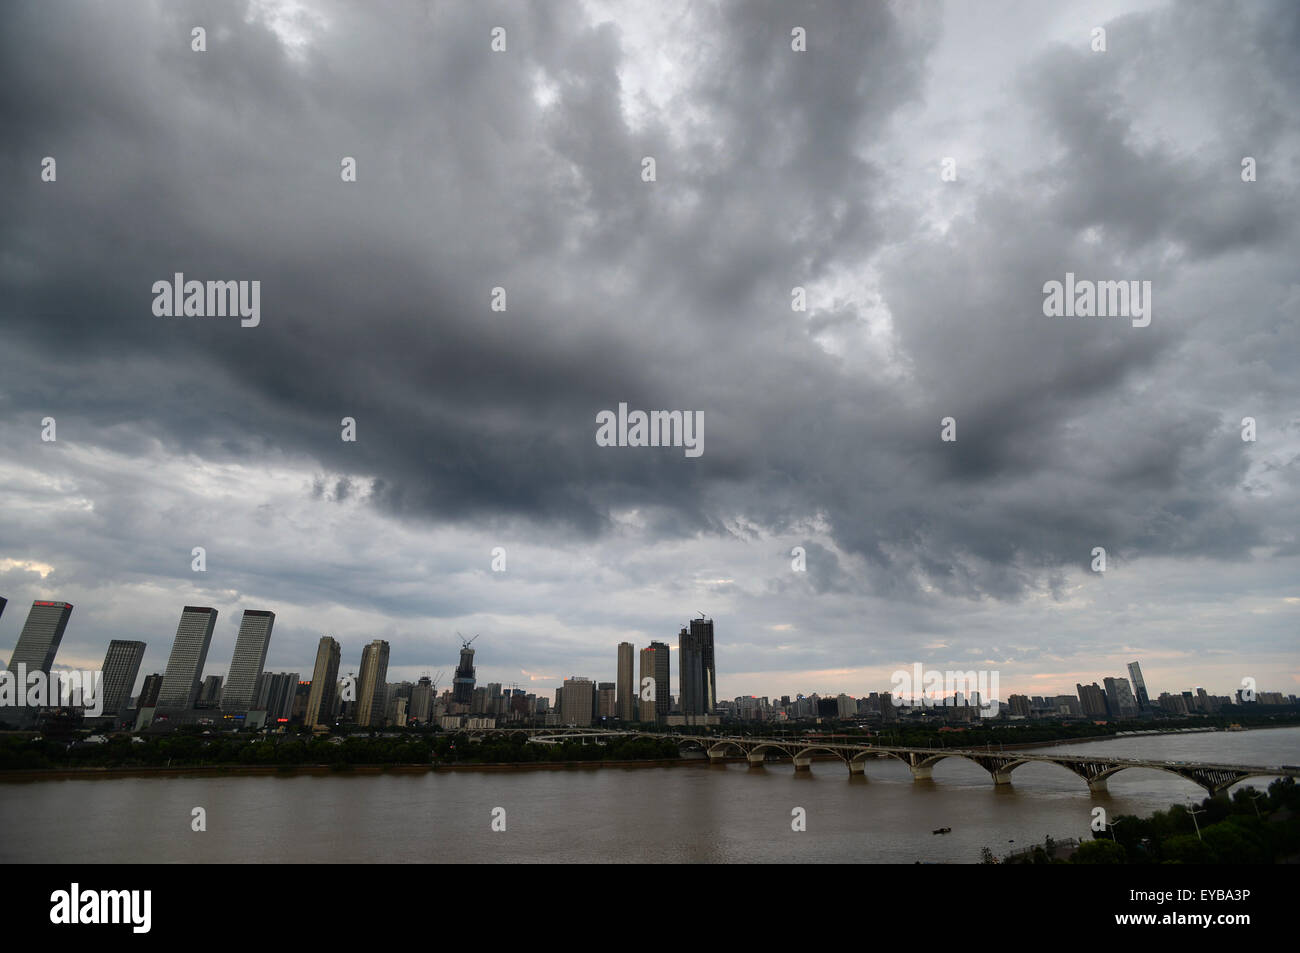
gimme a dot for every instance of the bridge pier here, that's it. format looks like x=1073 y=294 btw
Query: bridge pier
x=803 y=763
x=716 y=757
x=922 y=772
x=756 y=759
x=856 y=767
x=1001 y=777
x=1097 y=786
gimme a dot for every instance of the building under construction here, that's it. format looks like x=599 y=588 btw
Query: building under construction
x=463 y=683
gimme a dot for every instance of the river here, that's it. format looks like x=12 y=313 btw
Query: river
x=681 y=814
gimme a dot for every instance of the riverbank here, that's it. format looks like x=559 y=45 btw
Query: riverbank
x=257 y=770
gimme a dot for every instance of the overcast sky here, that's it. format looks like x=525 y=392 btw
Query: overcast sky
x=476 y=428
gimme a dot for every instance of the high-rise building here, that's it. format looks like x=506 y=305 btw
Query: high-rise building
x=701 y=633
x=655 y=664
x=576 y=701
x=463 y=683
x=663 y=680
x=422 y=700
x=607 y=703
x=696 y=675
x=300 y=699
x=690 y=673
x=1139 y=686
x=1092 y=699
x=254 y=637
x=627 y=695
x=1119 y=698
x=346 y=707
x=120 y=668
x=3 y=602
x=1065 y=705
x=149 y=691
x=1173 y=704
x=210 y=692
x=324 y=681
x=39 y=640
x=371 y=684
x=180 y=687
x=275 y=694
x=645 y=711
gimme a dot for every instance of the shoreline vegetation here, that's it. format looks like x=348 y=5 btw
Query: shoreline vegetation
x=1250 y=827
x=26 y=756
x=360 y=770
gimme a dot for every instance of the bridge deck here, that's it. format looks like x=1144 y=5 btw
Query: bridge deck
x=792 y=744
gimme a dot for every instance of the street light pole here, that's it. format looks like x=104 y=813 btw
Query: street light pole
x=1194 y=812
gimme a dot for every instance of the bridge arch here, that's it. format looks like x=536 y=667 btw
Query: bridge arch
x=1209 y=779
x=773 y=746
x=866 y=753
x=720 y=748
x=810 y=749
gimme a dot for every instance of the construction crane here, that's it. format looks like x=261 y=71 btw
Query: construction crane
x=466 y=643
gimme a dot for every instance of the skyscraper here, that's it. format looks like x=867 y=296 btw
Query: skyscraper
x=324 y=685
x=576 y=701
x=300 y=699
x=39 y=640
x=702 y=634
x=463 y=683
x=655 y=665
x=120 y=668
x=1119 y=697
x=695 y=668
x=1092 y=699
x=606 y=705
x=149 y=691
x=275 y=694
x=422 y=700
x=180 y=687
x=371 y=683
x=690 y=673
x=254 y=637
x=37 y=644
x=627 y=696
x=1139 y=686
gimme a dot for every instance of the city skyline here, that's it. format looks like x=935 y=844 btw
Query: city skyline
x=190 y=648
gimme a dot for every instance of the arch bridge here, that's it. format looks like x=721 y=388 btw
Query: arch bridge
x=1095 y=770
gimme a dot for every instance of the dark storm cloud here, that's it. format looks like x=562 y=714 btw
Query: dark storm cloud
x=667 y=295
x=376 y=297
